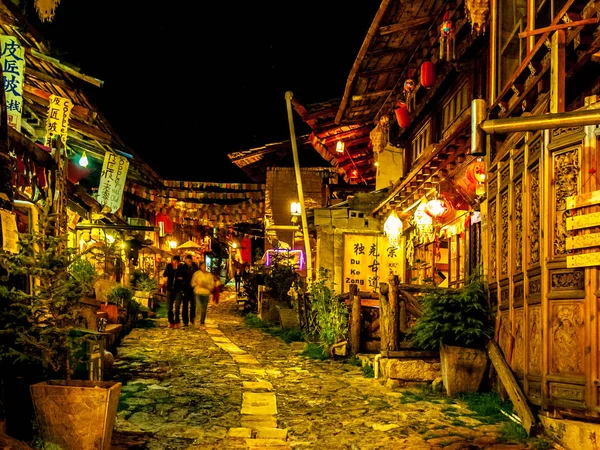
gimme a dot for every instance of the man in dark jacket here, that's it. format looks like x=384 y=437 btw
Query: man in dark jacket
x=187 y=297
x=169 y=272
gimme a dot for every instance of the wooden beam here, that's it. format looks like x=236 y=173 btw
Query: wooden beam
x=377 y=72
x=370 y=95
x=43 y=98
x=512 y=387
x=48 y=78
x=557 y=72
x=404 y=25
x=559 y=26
x=64 y=67
x=387 y=51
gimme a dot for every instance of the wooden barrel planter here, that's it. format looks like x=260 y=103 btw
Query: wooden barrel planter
x=78 y=415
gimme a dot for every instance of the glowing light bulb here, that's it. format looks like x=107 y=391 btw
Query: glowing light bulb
x=83 y=161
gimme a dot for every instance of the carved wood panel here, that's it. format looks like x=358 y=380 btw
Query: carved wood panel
x=505 y=335
x=535 y=341
x=566 y=338
x=517 y=245
x=533 y=253
x=493 y=239
x=504 y=229
x=566 y=175
x=518 y=360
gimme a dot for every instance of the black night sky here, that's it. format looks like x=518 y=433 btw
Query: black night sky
x=186 y=83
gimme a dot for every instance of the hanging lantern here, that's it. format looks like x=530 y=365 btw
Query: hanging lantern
x=392 y=228
x=477 y=13
x=476 y=172
x=438 y=208
x=427 y=74
x=402 y=115
x=447 y=38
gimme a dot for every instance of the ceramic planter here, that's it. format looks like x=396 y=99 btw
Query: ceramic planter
x=80 y=415
x=462 y=368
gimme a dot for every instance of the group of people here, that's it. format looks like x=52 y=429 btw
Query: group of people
x=188 y=285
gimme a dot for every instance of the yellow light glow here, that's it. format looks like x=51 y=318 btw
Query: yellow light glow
x=172 y=244
x=392 y=228
x=340 y=146
x=295 y=209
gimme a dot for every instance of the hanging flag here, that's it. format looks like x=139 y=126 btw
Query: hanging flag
x=12 y=58
x=112 y=181
x=57 y=122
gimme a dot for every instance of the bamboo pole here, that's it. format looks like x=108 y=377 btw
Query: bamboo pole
x=309 y=270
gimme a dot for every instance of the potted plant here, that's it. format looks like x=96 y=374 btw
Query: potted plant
x=457 y=323
x=71 y=414
x=144 y=286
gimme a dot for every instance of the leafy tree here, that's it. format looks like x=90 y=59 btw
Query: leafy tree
x=331 y=313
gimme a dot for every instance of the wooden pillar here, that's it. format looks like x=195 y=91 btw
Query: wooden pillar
x=394 y=313
x=384 y=315
x=355 y=324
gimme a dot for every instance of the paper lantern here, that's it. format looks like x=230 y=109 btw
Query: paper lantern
x=392 y=228
x=438 y=208
x=402 y=115
x=427 y=74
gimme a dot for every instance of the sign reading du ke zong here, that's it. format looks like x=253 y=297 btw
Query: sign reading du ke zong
x=112 y=181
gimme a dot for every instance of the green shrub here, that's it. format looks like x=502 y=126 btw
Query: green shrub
x=332 y=314
x=458 y=317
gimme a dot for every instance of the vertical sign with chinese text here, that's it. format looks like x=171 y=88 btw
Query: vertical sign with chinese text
x=112 y=181
x=12 y=58
x=57 y=122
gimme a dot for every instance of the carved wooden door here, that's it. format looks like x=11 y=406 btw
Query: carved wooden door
x=547 y=311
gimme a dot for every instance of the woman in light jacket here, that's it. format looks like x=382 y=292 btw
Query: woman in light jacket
x=203 y=284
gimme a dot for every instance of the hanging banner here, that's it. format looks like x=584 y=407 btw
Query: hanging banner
x=112 y=181
x=12 y=58
x=57 y=122
x=10 y=233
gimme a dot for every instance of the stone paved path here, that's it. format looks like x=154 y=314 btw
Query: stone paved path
x=234 y=387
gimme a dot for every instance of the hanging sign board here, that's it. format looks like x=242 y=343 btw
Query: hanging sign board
x=12 y=58
x=581 y=200
x=583 y=241
x=10 y=233
x=112 y=181
x=57 y=122
x=584 y=260
x=368 y=261
x=584 y=221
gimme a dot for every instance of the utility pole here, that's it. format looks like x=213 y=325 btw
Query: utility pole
x=309 y=271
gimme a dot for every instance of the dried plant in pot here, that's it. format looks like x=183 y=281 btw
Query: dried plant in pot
x=71 y=414
x=457 y=323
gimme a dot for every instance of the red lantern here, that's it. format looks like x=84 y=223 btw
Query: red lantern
x=402 y=115
x=438 y=208
x=476 y=172
x=427 y=74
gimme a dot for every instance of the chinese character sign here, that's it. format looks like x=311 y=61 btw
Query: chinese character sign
x=12 y=58
x=368 y=261
x=59 y=111
x=112 y=181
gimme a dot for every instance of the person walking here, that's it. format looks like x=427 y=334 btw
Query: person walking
x=216 y=292
x=188 y=305
x=203 y=283
x=169 y=273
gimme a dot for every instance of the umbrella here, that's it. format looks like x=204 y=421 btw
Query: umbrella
x=189 y=245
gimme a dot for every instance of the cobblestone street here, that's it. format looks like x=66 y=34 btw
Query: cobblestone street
x=231 y=386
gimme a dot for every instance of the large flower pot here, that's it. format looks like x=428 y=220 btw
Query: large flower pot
x=77 y=416
x=462 y=368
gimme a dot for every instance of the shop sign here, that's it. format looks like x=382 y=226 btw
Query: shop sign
x=584 y=221
x=112 y=181
x=583 y=241
x=584 y=260
x=57 y=122
x=368 y=261
x=12 y=58
x=10 y=234
x=581 y=200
